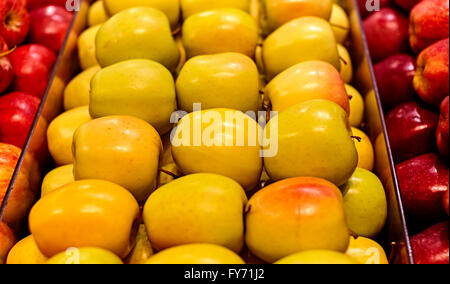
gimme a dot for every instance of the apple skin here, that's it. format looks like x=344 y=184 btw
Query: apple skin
x=363 y=9
x=395 y=77
x=423 y=183
x=407 y=4
x=49 y=26
x=412 y=130
x=431 y=80
x=431 y=246
x=445 y=201
x=14 y=12
x=442 y=133
x=6 y=73
x=7 y=241
x=35 y=4
x=428 y=24
x=386 y=33
x=32 y=64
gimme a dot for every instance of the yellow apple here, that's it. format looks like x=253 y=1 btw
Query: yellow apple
x=121 y=149
x=60 y=134
x=356 y=106
x=365 y=150
x=227 y=80
x=279 y=12
x=86 y=48
x=307 y=81
x=318 y=257
x=137 y=33
x=191 y=7
x=26 y=252
x=140 y=88
x=196 y=254
x=346 y=64
x=78 y=90
x=171 y=8
x=57 y=178
x=238 y=33
x=340 y=23
x=300 y=40
x=231 y=151
x=143 y=250
x=85 y=256
x=366 y=251
x=200 y=208
x=97 y=14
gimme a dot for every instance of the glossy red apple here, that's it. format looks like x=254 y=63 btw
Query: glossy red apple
x=49 y=26
x=446 y=201
x=428 y=23
x=3 y=45
x=6 y=74
x=395 y=79
x=34 y=4
x=423 y=183
x=7 y=241
x=412 y=130
x=14 y=21
x=431 y=81
x=407 y=4
x=387 y=33
x=17 y=112
x=362 y=4
x=442 y=133
x=431 y=245
x=32 y=65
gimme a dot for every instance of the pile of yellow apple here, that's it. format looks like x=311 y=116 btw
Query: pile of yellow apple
x=122 y=193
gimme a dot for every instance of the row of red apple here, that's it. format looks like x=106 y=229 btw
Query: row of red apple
x=412 y=72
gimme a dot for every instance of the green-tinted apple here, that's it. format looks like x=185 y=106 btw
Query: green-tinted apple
x=137 y=33
x=302 y=39
x=140 y=88
x=314 y=140
x=191 y=7
x=227 y=80
x=365 y=204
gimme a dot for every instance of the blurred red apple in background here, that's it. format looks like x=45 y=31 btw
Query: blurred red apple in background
x=428 y=23
x=412 y=131
x=387 y=33
x=407 y=4
x=442 y=133
x=32 y=65
x=34 y=4
x=22 y=196
x=431 y=245
x=6 y=73
x=431 y=81
x=446 y=201
x=395 y=79
x=49 y=26
x=423 y=183
x=363 y=8
x=7 y=241
x=17 y=113
x=14 y=21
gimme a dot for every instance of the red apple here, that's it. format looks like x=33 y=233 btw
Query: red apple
x=6 y=73
x=387 y=33
x=407 y=4
x=446 y=201
x=32 y=65
x=423 y=183
x=362 y=4
x=395 y=79
x=14 y=22
x=442 y=133
x=431 y=80
x=49 y=26
x=17 y=112
x=22 y=196
x=412 y=131
x=428 y=23
x=431 y=245
x=7 y=241
x=34 y=4
x=3 y=45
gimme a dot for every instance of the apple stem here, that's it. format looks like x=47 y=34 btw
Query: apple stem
x=247 y=209
x=8 y=51
x=359 y=139
x=169 y=173
x=338 y=26
x=350 y=97
x=343 y=60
